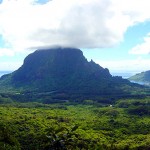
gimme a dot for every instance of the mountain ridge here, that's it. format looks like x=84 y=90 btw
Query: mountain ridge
x=65 y=70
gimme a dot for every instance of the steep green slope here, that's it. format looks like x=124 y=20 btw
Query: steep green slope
x=65 y=70
x=142 y=78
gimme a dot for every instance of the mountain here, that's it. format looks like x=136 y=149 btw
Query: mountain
x=141 y=78
x=65 y=70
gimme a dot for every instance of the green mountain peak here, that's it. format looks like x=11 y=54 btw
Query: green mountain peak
x=64 y=70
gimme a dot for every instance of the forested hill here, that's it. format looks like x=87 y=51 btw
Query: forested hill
x=143 y=78
x=65 y=70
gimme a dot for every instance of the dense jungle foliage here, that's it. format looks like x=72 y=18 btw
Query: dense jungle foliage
x=125 y=124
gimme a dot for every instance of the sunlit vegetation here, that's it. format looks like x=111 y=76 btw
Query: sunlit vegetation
x=125 y=124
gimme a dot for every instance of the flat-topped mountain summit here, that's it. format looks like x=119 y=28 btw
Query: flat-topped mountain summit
x=57 y=63
x=64 y=70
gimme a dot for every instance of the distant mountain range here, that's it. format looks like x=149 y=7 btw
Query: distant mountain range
x=141 y=78
x=65 y=70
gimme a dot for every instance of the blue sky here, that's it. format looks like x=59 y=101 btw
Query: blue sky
x=115 y=34
x=121 y=53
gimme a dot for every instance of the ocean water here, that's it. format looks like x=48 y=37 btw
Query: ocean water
x=4 y=72
x=142 y=83
x=123 y=75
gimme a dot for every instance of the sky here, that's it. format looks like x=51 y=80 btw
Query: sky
x=113 y=33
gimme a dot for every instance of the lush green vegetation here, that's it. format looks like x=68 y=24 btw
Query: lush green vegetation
x=123 y=125
x=44 y=105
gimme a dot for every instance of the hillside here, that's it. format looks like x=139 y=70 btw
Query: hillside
x=65 y=70
x=141 y=78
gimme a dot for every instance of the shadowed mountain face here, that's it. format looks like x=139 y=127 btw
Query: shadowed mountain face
x=64 y=69
x=56 y=63
x=55 y=69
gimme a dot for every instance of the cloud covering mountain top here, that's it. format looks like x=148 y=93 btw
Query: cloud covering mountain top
x=26 y=24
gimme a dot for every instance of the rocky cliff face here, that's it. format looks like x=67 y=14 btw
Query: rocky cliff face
x=57 y=63
x=57 y=68
x=63 y=69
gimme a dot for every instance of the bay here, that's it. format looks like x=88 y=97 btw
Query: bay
x=4 y=72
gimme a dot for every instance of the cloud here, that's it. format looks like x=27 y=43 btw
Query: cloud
x=5 y=66
x=6 y=52
x=26 y=24
x=132 y=66
x=143 y=48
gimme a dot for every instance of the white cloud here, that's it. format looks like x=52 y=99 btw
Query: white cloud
x=143 y=48
x=10 y=65
x=132 y=66
x=25 y=24
x=6 y=52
